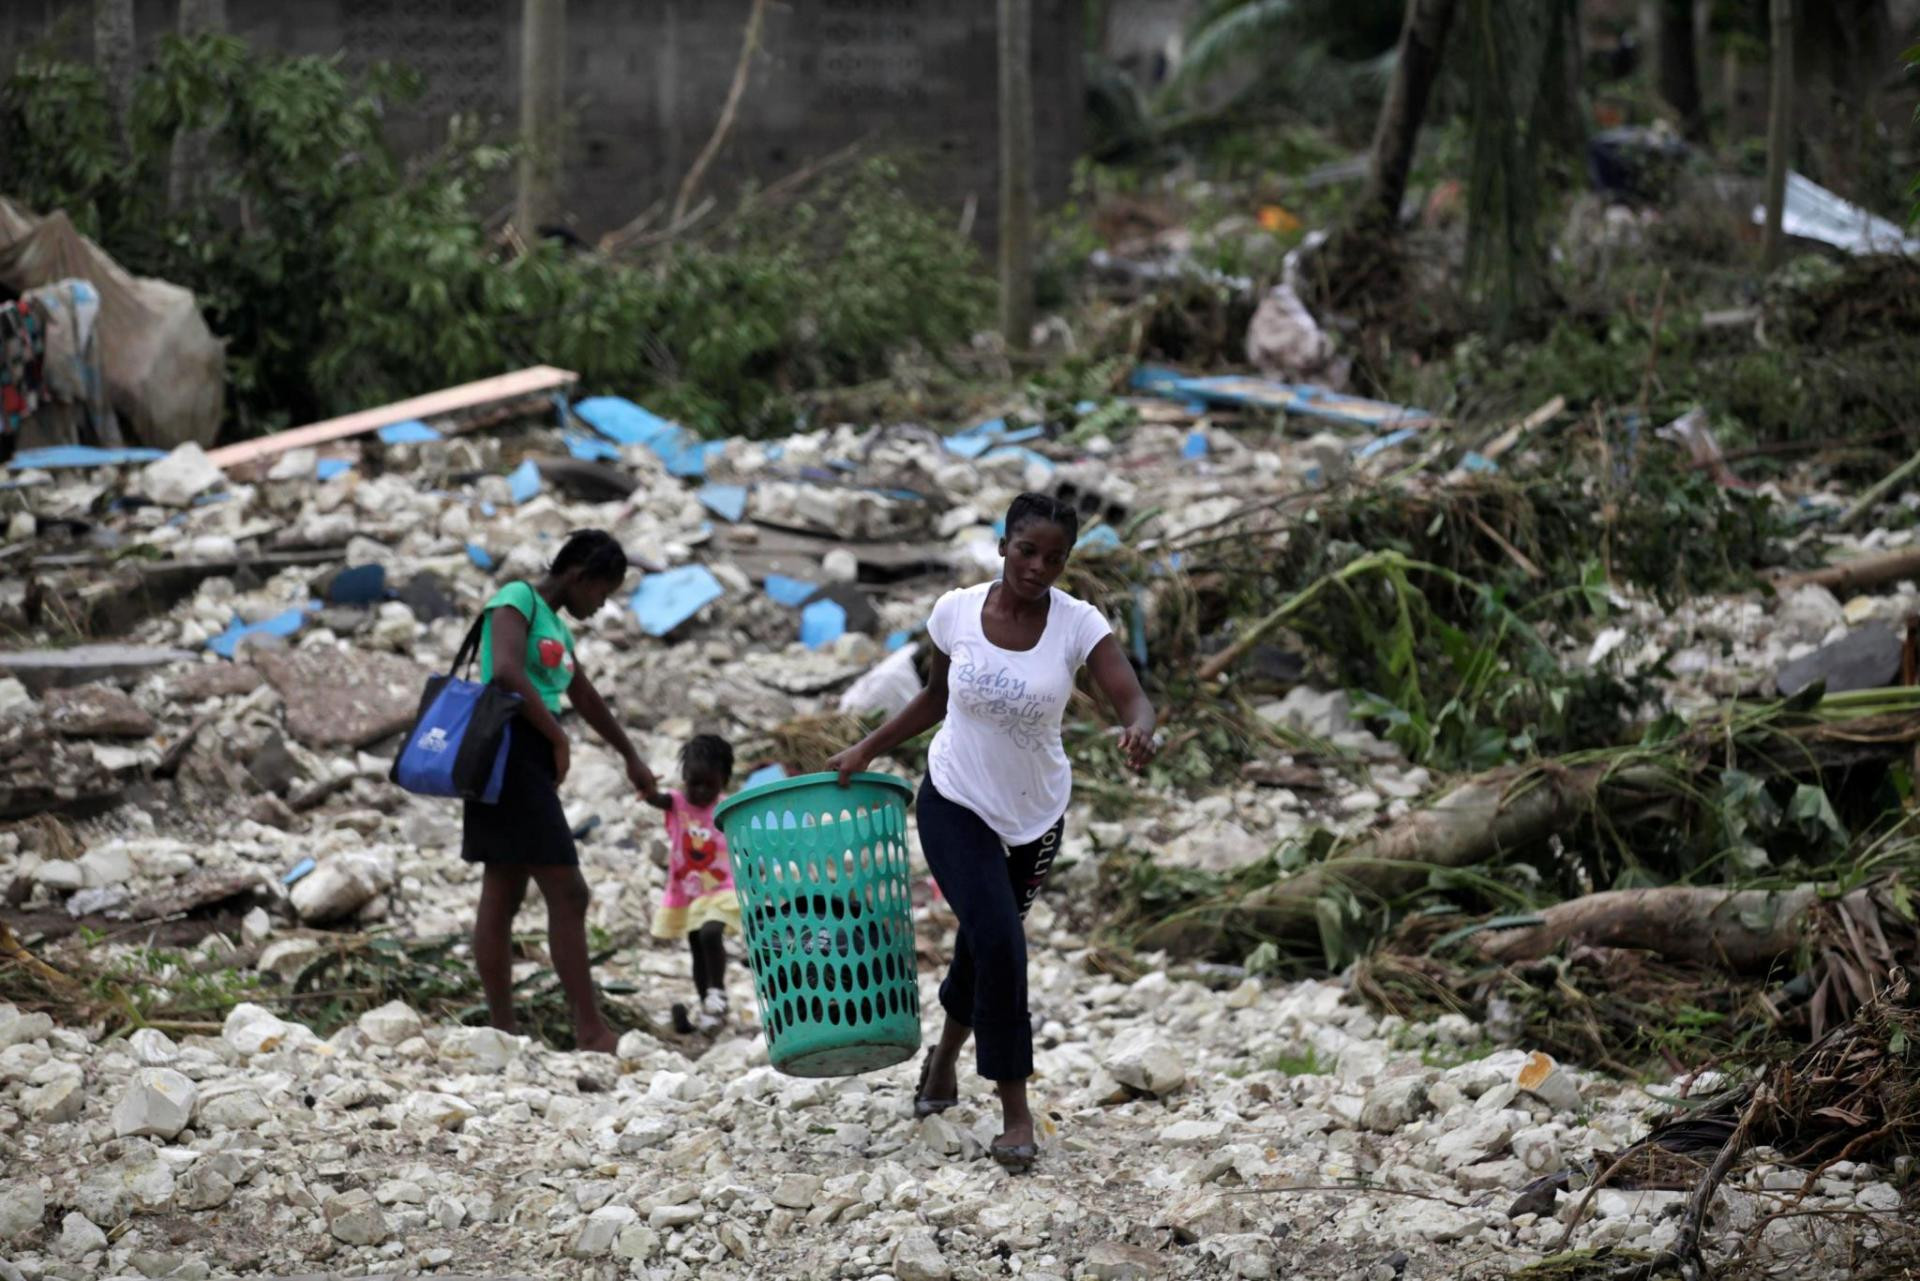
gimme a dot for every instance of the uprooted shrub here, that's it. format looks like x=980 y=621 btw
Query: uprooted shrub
x=342 y=275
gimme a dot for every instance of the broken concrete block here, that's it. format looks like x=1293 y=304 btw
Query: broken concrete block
x=158 y=1103
x=342 y=886
x=344 y=697
x=214 y=680
x=180 y=477
x=96 y=711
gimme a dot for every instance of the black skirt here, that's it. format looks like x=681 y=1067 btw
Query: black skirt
x=526 y=826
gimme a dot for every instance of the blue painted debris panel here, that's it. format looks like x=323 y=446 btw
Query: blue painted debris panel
x=1195 y=446
x=979 y=438
x=591 y=449
x=410 y=432
x=327 y=469
x=1382 y=444
x=822 y=623
x=1303 y=399
x=60 y=457
x=480 y=556
x=283 y=625
x=685 y=454
x=729 y=502
x=766 y=774
x=664 y=601
x=791 y=592
x=523 y=482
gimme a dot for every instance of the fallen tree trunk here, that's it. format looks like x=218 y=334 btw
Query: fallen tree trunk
x=1478 y=822
x=1854 y=575
x=1742 y=931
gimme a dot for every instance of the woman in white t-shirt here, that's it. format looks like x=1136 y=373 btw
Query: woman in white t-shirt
x=995 y=797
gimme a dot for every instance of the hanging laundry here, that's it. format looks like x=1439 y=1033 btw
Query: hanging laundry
x=23 y=347
x=75 y=374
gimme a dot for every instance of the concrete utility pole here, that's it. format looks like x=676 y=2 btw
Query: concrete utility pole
x=1016 y=173
x=543 y=79
x=1779 y=132
x=113 y=57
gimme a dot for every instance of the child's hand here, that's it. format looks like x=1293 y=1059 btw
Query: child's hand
x=642 y=778
x=1138 y=746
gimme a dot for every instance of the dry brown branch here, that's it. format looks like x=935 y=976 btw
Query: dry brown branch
x=749 y=44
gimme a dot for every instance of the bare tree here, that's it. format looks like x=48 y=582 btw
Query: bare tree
x=1016 y=173
x=1678 y=65
x=192 y=148
x=113 y=57
x=543 y=70
x=1779 y=131
x=1423 y=40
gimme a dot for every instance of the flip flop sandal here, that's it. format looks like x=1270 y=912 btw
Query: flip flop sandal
x=1015 y=1158
x=923 y=1106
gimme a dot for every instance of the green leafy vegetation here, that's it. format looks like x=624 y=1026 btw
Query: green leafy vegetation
x=342 y=276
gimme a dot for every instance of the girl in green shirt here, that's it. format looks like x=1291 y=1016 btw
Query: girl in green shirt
x=527 y=649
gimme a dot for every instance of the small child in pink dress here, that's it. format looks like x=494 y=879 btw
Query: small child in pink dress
x=699 y=902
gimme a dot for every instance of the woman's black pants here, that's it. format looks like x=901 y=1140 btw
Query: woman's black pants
x=990 y=887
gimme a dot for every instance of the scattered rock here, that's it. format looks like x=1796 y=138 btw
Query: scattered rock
x=251 y=1029
x=78 y=1236
x=391 y=1023
x=1113 y=1261
x=1141 y=1059
x=158 y=1103
x=918 y=1258
x=56 y=1102
x=602 y=1230
x=354 y=1218
x=22 y=1206
x=1394 y=1103
x=481 y=1049
x=797 y=1191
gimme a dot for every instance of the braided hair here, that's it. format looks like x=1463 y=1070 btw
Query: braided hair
x=1043 y=507
x=708 y=752
x=595 y=553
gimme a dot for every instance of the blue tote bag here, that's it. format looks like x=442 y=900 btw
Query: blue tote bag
x=458 y=743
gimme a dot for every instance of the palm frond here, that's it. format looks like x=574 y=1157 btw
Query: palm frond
x=1228 y=30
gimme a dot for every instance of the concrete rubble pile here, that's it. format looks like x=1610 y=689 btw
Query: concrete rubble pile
x=231 y=744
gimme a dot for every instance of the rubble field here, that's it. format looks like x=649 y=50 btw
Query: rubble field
x=234 y=953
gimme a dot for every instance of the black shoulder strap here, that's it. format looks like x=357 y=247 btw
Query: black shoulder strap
x=470 y=647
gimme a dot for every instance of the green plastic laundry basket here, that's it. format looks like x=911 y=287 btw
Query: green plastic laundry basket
x=825 y=899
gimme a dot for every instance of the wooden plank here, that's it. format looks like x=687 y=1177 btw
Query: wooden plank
x=525 y=382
